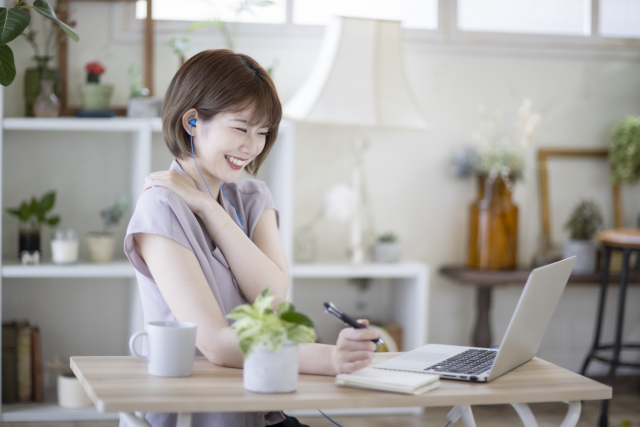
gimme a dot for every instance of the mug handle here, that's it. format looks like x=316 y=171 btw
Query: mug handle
x=132 y=348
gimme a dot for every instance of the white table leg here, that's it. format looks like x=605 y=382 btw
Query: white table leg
x=573 y=414
x=134 y=421
x=525 y=414
x=463 y=411
x=570 y=420
x=184 y=419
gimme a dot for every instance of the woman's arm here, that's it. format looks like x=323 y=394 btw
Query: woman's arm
x=184 y=287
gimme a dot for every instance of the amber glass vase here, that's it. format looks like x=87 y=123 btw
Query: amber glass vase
x=493 y=227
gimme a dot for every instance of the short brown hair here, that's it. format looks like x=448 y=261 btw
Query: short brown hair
x=215 y=81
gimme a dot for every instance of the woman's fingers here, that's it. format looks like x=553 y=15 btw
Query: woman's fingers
x=350 y=367
x=360 y=334
x=354 y=356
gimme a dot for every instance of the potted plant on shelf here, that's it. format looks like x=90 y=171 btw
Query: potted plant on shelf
x=32 y=216
x=269 y=342
x=583 y=224
x=101 y=244
x=386 y=248
x=625 y=151
x=95 y=96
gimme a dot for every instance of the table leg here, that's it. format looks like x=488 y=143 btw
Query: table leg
x=482 y=333
x=134 y=421
x=525 y=414
x=523 y=410
x=463 y=411
x=184 y=419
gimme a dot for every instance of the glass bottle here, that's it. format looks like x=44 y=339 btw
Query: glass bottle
x=47 y=104
x=32 y=78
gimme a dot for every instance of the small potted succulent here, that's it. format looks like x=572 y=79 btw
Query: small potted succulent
x=95 y=96
x=32 y=216
x=583 y=224
x=140 y=104
x=269 y=342
x=102 y=244
x=386 y=248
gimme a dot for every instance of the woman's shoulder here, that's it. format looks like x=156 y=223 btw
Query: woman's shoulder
x=156 y=198
x=249 y=186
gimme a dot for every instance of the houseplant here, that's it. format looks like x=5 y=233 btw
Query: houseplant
x=269 y=342
x=386 y=248
x=498 y=163
x=624 y=153
x=582 y=225
x=14 y=22
x=95 y=96
x=101 y=244
x=140 y=104
x=32 y=216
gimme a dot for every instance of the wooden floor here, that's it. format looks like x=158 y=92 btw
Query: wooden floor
x=623 y=407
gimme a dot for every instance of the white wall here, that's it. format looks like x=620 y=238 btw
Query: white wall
x=413 y=192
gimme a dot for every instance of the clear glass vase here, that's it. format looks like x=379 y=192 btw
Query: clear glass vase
x=32 y=78
x=47 y=104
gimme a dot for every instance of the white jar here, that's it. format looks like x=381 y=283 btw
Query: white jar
x=64 y=251
x=267 y=371
x=101 y=247
x=585 y=250
x=386 y=252
x=71 y=394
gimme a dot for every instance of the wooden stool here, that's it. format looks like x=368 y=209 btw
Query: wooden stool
x=627 y=240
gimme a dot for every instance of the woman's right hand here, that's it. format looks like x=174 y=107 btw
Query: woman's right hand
x=354 y=349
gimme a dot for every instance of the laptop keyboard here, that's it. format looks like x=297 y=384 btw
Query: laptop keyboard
x=468 y=362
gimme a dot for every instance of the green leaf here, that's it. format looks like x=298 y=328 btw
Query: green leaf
x=301 y=333
x=285 y=307
x=53 y=221
x=297 y=318
x=25 y=212
x=15 y=212
x=48 y=200
x=43 y=8
x=7 y=66
x=12 y=23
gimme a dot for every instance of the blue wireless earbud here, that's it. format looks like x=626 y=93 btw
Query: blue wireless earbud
x=192 y=122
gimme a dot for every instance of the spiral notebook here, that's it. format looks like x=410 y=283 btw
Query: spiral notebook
x=388 y=380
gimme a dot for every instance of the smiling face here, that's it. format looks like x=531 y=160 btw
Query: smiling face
x=228 y=143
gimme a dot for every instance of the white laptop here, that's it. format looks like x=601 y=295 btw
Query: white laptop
x=528 y=324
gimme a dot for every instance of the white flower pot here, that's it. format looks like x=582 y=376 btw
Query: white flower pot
x=101 y=247
x=386 y=252
x=71 y=394
x=267 y=371
x=585 y=250
x=64 y=251
x=144 y=107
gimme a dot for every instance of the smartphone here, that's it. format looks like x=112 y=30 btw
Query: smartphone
x=332 y=309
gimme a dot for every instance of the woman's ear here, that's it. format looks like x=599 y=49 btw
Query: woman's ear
x=191 y=114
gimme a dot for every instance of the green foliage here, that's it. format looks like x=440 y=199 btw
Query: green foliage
x=584 y=221
x=256 y=324
x=33 y=213
x=625 y=151
x=388 y=237
x=112 y=215
x=13 y=22
x=137 y=85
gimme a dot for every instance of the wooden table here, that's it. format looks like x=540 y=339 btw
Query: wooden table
x=485 y=280
x=122 y=384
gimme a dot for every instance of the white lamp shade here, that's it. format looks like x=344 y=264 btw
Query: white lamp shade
x=359 y=79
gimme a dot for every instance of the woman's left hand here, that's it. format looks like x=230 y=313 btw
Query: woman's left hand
x=180 y=184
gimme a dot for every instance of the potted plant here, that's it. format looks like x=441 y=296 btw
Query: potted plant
x=101 y=244
x=624 y=153
x=583 y=224
x=95 y=96
x=386 y=248
x=32 y=215
x=269 y=342
x=71 y=394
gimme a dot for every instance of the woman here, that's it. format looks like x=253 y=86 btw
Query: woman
x=203 y=244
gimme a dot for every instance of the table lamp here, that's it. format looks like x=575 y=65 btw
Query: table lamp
x=359 y=80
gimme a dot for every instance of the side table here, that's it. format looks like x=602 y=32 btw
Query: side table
x=485 y=280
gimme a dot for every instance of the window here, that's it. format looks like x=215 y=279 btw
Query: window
x=224 y=10
x=620 y=18
x=562 y=17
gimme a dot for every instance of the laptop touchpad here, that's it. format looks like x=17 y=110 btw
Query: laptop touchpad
x=424 y=357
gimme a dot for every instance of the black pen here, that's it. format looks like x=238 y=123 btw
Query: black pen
x=332 y=309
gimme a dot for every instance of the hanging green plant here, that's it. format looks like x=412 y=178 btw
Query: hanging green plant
x=13 y=22
x=624 y=153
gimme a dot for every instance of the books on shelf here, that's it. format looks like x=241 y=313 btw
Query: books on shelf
x=21 y=363
x=388 y=380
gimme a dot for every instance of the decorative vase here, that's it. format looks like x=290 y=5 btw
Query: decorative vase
x=585 y=250
x=101 y=247
x=493 y=227
x=386 y=252
x=267 y=371
x=47 y=104
x=71 y=394
x=32 y=78
x=29 y=240
x=95 y=96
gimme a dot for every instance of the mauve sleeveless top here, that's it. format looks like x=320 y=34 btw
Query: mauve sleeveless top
x=160 y=211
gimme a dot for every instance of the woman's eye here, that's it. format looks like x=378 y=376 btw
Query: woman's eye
x=264 y=133
x=242 y=130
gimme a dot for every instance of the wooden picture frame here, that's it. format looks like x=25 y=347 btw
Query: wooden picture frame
x=545 y=207
x=63 y=57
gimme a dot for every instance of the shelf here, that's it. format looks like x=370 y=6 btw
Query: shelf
x=370 y=270
x=20 y=412
x=112 y=124
x=123 y=268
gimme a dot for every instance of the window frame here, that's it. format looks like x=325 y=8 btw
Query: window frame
x=127 y=28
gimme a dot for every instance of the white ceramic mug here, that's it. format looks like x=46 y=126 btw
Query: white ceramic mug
x=171 y=348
